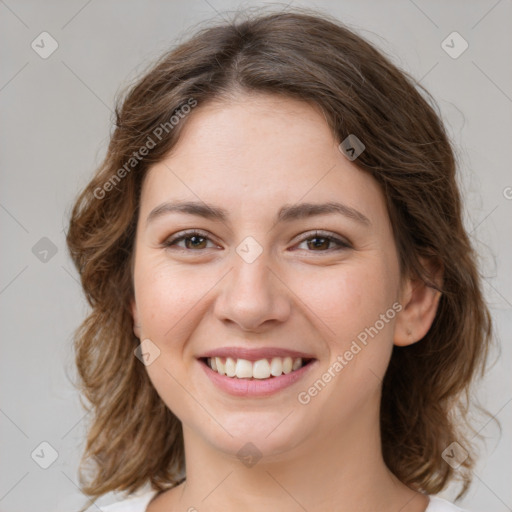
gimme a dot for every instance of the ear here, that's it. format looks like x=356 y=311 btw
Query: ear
x=419 y=303
x=136 y=322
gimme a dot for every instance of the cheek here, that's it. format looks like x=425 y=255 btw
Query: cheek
x=167 y=298
x=347 y=299
x=169 y=302
x=355 y=306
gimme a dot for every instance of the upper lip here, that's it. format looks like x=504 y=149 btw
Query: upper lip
x=254 y=354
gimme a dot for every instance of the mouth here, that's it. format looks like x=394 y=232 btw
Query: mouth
x=259 y=377
x=262 y=369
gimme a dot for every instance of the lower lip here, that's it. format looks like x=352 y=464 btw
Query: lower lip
x=255 y=387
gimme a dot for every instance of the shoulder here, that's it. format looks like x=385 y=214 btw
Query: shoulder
x=139 y=503
x=440 y=505
x=134 y=503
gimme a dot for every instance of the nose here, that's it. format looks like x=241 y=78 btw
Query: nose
x=253 y=296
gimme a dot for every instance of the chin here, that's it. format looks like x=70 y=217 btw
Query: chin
x=256 y=435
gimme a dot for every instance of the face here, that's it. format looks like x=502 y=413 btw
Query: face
x=272 y=278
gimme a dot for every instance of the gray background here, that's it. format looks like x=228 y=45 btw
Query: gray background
x=56 y=119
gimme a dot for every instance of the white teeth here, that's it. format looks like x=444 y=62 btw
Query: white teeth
x=297 y=363
x=220 y=366
x=276 y=366
x=230 y=367
x=243 y=368
x=261 y=369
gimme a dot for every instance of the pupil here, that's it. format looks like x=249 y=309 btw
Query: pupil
x=316 y=244
x=195 y=239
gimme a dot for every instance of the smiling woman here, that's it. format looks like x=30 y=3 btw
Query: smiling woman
x=286 y=307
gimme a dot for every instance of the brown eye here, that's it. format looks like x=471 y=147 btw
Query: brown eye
x=318 y=242
x=193 y=240
x=196 y=242
x=321 y=242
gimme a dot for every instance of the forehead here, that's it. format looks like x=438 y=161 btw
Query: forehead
x=254 y=128
x=255 y=151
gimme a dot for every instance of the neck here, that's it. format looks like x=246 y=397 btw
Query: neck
x=341 y=470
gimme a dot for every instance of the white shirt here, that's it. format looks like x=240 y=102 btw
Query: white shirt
x=139 y=503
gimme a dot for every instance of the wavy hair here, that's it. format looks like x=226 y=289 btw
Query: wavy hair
x=133 y=437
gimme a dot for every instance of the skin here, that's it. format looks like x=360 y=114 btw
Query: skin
x=252 y=155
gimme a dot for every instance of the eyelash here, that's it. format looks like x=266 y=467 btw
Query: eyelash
x=342 y=245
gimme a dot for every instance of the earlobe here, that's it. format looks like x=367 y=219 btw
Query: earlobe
x=420 y=303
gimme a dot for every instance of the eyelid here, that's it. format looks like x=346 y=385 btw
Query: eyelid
x=342 y=242
x=179 y=236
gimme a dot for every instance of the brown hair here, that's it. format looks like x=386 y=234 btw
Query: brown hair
x=308 y=56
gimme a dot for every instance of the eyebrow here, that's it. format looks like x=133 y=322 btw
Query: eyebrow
x=286 y=214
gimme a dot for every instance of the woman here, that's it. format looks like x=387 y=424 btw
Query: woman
x=286 y=309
